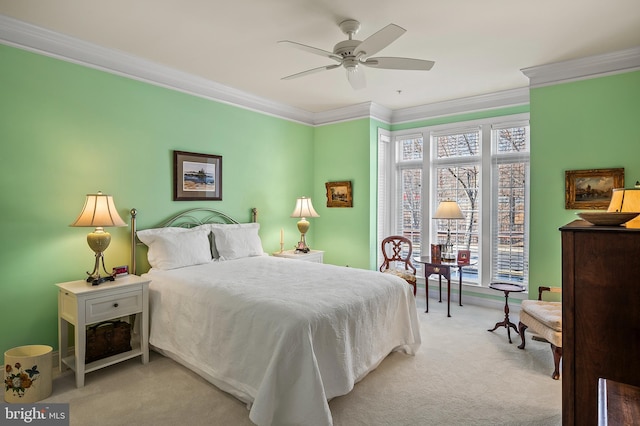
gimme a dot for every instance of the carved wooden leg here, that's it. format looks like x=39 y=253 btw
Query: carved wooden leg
x=522 y=328
x=557 y=356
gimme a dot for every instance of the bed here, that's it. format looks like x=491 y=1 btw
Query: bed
x=284 y=336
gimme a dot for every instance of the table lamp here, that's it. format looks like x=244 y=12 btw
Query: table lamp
x=303 y=210
x=449 y=210
x=99 y=211
x=626 y=200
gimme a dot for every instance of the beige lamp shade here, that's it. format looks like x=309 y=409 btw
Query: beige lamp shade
x=626 y=200
x=304 y=208
x=448 y=209
x=99 y=210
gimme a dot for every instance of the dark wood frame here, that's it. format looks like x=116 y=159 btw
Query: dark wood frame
x=574 y=186
x=332 y=201
x=179 y=160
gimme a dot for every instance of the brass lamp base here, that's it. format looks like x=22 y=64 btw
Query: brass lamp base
x=302 y=246
x=303 y=227
x=99 y=280
x=94 y=276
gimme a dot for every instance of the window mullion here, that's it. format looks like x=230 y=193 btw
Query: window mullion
x=486 y=179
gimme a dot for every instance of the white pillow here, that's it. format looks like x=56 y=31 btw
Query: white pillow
x=212 y=246
x=171 y=248
x=235 y=241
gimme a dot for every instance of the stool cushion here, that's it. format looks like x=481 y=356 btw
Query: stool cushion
x=544 y=319
x=405 y=275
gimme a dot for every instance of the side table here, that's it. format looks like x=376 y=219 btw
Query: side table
x=442 y=269
x=506 y=288
x=81 y=304
x=312 y=256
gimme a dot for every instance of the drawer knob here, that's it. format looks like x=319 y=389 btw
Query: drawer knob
x=115 y=305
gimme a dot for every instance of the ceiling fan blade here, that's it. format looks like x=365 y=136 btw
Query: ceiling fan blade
x=311 y=71
x=399 y=63
x=378 y=41
x=355 y=75
x=313 y=50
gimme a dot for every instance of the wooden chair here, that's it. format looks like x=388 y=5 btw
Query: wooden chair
x=544 y=319
x=396 y=251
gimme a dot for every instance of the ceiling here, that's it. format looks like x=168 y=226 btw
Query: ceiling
x=479 y=46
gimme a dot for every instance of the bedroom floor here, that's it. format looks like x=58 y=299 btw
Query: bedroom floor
x=462 y=375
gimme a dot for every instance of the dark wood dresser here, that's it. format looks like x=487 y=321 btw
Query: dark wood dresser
x=600 y=314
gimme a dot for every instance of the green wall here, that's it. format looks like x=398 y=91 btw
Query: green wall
x=68 y=130
x=343 y=152
x=589 y=124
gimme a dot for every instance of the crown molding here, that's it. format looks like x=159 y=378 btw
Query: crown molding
x=584 y=68
x=353 y=112
x=50 y=43
x=503 y=99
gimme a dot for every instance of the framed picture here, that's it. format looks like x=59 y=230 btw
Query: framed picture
x=591 y=189
x=464 y=257
x=339 y=194
x=436 y=253
x=196 y=176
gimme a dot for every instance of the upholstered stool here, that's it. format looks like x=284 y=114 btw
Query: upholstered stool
x=545 y=320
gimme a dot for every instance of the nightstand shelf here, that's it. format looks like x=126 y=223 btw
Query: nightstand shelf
x=70 y=361
x=312 y=256
x=81 y=304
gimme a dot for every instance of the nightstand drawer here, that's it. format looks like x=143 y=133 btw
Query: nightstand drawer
x=115 y=305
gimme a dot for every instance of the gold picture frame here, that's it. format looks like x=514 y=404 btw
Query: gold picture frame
x=591 y=189
x=339 y=194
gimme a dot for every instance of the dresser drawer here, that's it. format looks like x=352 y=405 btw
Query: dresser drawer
x=113 y=306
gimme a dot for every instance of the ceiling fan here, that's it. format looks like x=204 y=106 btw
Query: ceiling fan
x=351 y=54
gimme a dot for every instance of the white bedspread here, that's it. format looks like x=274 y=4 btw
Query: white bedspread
x=285 y=336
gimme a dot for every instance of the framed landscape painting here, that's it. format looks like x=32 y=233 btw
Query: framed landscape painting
x=196 y=176
x=339 y=194
x=591 y=189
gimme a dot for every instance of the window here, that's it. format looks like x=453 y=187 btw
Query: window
x=510 y=221
x=456 y=166
x=409 y=200
x=484 y=166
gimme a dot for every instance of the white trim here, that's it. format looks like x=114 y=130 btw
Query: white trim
x=503 y=99
x=584 y=68
x=353 y=112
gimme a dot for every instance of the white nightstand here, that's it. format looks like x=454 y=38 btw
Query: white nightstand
x=81 y=304
x=311 y=256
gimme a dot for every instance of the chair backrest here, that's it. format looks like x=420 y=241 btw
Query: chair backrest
x=397 y=249
x=542 y=289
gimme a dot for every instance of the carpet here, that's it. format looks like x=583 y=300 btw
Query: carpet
x=461 y=375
